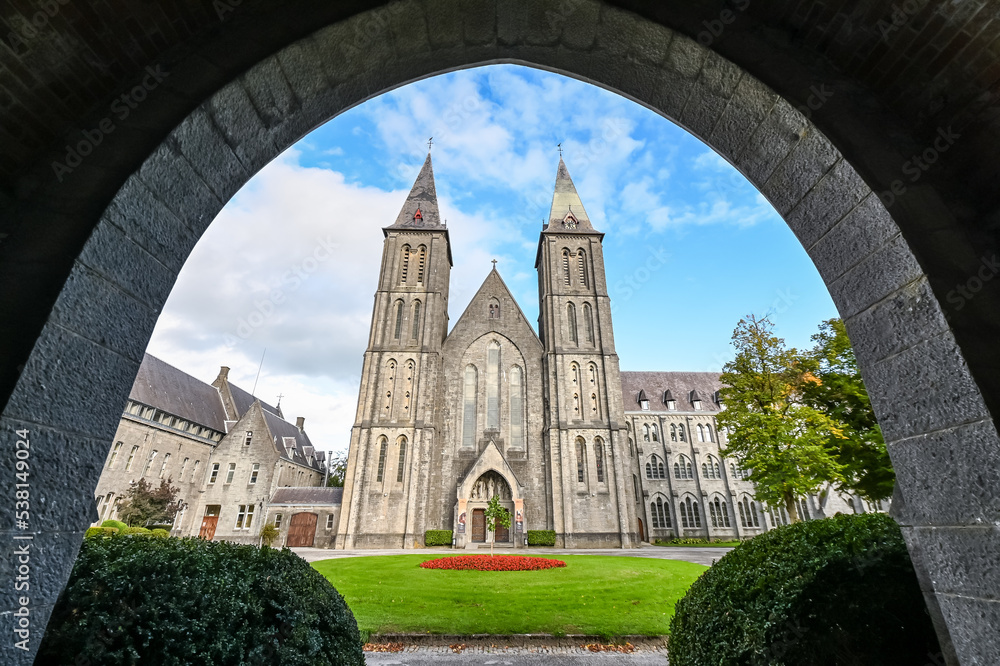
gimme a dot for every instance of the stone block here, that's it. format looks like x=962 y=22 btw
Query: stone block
x=200 y=141
x=148 y=221
x=710 y=97
x=924 y=388
x=949 y=477
x=89 y=403
x=171 y=183
x=973 y=625
x=129 y=265
x=833 y=197
x=750 y=103
x=408 y=28
x=774 y=139
x=615 y=31
x=99 y=310
x=271 y=94
x=237 y=119
x=479 y=21
x=879 y=274
x=444 y=23
x=808 y=162
x=864 y=230
x=904 y=319
x=302 y=67
x=579 y=30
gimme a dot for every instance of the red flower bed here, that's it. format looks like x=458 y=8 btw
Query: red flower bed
x=496 y=563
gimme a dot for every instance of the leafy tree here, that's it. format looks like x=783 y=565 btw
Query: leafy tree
x=840 y=393
x=496 y=515
x=783 y=442
x=338 y=469
x=269 y=534
x=144 y=504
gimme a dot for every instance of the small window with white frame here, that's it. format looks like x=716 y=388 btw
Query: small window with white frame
x=245 y=517
x=248 y=438
x=215 y=473
x=277 y=520
x=329 y=521
x=254 y=471
x=231 y=473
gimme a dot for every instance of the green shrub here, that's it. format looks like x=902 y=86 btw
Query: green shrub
x=117 y=524
x=541 y=538
x=269 y=534
x=136 y=530
x=133 y=600
x=437 y=538
x=839 y=591
x=160 y=533
x=100 y=532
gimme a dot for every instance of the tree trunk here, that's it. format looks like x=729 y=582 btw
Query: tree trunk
x=793 y=511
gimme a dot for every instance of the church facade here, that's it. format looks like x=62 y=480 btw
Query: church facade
x=546 y=421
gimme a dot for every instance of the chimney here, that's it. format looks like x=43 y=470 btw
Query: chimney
x=223 y=374
x=300 y=422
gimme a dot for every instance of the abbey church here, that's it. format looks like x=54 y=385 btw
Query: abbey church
x=546 y=421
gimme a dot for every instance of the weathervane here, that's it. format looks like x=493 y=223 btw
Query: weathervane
x=559 y=146
x=429 y=142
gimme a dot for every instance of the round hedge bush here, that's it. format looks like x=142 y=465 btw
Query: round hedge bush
x=834 y=592
x=136 y=600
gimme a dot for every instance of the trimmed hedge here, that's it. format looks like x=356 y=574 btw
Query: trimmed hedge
x=136 y=600
x=161 y=533
x=117 y=524
x=437 y=538
x=834 y=592
x=100 y=532
x=541 y=537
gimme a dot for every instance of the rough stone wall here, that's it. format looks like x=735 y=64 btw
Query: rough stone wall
x=326 y=537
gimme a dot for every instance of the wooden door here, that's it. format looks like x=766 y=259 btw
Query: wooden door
x=479 y=525
x=301 y=530
x=502 y=534
x=642 y=535
x=208 y=524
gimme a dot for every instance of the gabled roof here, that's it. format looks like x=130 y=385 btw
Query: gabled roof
x=282 y=429
x=680 y=386
x=307 y=495
x=493 y=284
x=244 y=400
x=420 y=211
x=161 y=385
x=567 y=213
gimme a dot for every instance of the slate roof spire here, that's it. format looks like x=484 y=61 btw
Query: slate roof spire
x=421 y=208
x=567 y=212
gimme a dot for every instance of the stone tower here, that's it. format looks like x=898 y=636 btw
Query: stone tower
x=583 y=430
x=394 y=425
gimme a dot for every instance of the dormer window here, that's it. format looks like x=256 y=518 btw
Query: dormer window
x=668 y=400
x=643 y=401
x=418 y=215
x=695 y=400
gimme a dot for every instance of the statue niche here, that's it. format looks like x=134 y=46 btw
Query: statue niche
x=490 y=484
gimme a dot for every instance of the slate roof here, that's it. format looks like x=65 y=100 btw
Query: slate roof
x=299 y=495
x=281 y=429
x=244 y=401
x=161 y=385
x=680 y=385
x=566 y=201
x=422 y=197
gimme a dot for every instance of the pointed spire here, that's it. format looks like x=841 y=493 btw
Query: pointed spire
x=421 y=207
x=567 y=213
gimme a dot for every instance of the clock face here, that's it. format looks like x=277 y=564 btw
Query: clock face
x=569 y=223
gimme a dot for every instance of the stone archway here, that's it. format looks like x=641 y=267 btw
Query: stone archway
x=124 y=228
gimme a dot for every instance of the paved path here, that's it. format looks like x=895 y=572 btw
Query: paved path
x=427 y=656
x=704 y=556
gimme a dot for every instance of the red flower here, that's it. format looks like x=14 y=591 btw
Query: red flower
x=497 y=563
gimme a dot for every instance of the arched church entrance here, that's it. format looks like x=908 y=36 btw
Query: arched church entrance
x=90 y=254
x=488 y=485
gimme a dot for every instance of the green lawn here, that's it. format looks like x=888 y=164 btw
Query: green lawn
x=608 y=596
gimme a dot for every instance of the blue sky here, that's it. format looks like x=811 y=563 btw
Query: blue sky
x=690 y=247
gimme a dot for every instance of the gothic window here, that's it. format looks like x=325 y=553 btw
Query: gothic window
x=673 y=432
x=719 y=512
x=493 y=386
x=701 y=433
x=163 y=467
x=631 y=448
x=750 y=508
x=689 y=513
x=588 y=322
x=581 y=456
x=469 y=408
x=114 y=454
x=131 y=459
x=382 y=448
x=421 y=260
x=576 y=404
x=571 y=317
x=494 y=309
x=708 y=433
x=408 y=386
x=595 y=408
x=683 y=468
x=710 y=469
x=645 y=432
x=565 y=258
x=592 y=375
x=655 y=468
x=399 y=320
x=390 y=378
x=581 y=262
x=516 y=408
x=803 y=508
x=680 y=432
x=635 y=487
x=574 y=372
x=654 y=433
x=599 y=456
x=404 y=265
x=402 y=459
x=416 y=320
x=659 y=514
